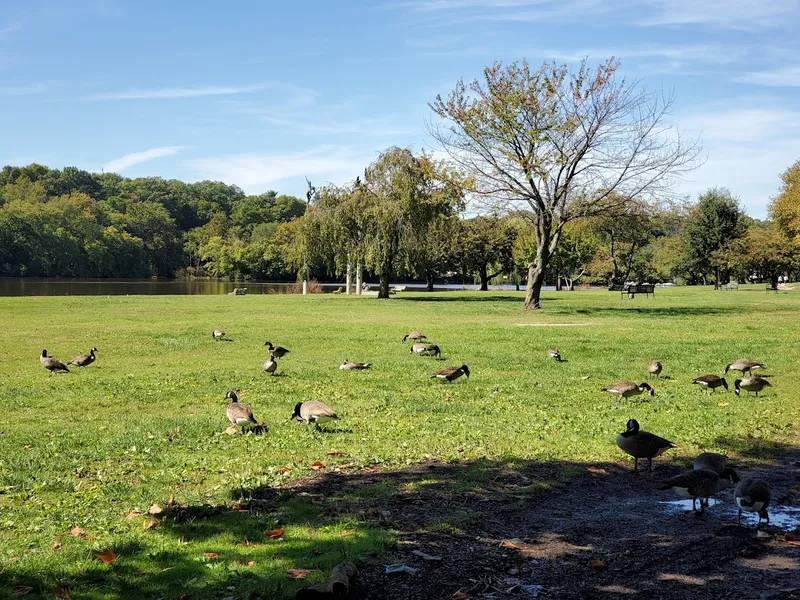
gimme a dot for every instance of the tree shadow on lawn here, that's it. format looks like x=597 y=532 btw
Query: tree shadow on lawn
x=652 y=311
x=479 y=527
x=482 y=297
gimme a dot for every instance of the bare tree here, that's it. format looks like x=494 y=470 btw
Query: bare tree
x=563 y=145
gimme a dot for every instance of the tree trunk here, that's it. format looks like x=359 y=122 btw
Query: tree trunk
x=484 y=275
x=383 y=292
x=546 y=243
x=773 y=280
x=533 y=295
x=571 y=285
x=359 y=281
x=429 y=281
x=348 y=279
x=558 y=283
x=716 y=278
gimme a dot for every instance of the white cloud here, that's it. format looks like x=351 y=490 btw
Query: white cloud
x=23 y=90
x=123 y=163
x=255 y=172
x=780 y=77
x=732 y=14
x=176 y=93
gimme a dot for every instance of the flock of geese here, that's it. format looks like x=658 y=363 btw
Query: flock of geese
x=709 y=476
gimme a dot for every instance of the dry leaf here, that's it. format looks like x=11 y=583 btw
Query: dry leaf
x=77 y=532
x=27 y=447
x=149 y=524
x=171 y=501
x=274 y=534
x=211 y=555
x=107 y=557
x=298 y=573
x=597 y=471
x=149 y=436
x=14 y=559
x=251 y=563
x=515 y=543
x=283 y=469
x=346 y=534
x=300 y=461
x=155 y=509
x=231 y=430
x=598 y=564
x=133 y=515
x=334 y=453
x=21 y=590
x=317 y=465
x=247 y=542
x=459 y=596
x=56 y=546
x=789 y=537
x=63 y=593
x=724 y=404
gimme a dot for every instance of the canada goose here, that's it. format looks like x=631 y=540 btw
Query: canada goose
x=753 y=495
x=711 y=382
x=654 y=368
x=354 y=366
x=701 y=483
x=426 y=349
x=277 y=351
x=451 y=373
x=239 y=414
x=641 y=444
x=414 y=335
x=218 y=334
x=750 y=384
x=52 y=364
x=554 y=354
x=626 y=389
x=84 y=360
x=271 y=365
x=710 y=461
x=744 y=365
x=313 y=412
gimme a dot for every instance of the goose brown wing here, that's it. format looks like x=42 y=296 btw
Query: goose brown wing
x=316 y=409
x=237 y=410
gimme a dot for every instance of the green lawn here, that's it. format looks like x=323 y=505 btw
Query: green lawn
x=147 y=423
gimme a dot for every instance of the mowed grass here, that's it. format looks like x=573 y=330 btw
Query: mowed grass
x=146 y=423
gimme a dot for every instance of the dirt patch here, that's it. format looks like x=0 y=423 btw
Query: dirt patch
x=559 y=530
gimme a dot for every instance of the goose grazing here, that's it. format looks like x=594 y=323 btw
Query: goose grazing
x=753 y=495
x=218 y=334
x=711 y=382
x=354 y=366
x=271 y=365
x=641 y=444
x=451 y=373
x=426 y=349
x=654 y=368
x=745 y=366
x=313 y=412
x=710 y=461
x=701 y=483
x=415 y=336
x=750 y=384
x=277 y=351
x=554 y=354
x=626 y=389
x=239 y=414
x=84 y=360
x=52 y=364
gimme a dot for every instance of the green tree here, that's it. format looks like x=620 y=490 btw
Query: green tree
x=576 y=250
x=785 y=208
x=486 y=246
x=151 y=223
x=764 y=252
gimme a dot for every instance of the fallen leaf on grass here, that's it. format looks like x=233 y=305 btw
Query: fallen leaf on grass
x=598 y=564
x=149 y=524
x=56 y=546
x=107 y=557
x=597 y=471
x=21 y=590
x=346 y=534
x=334 y=453
x=231 y=430
x=298 y=573
x=27 y=447
x=14 y=559
x=317 y=465
x=149 y=436
x=251 y=563
x=77 y=532
x=155 y=509
x=274 y=534
x=173 y=433
x=724 y=404
x=211 y=555
x=171 y=501
x=133 y=515
x=283 y=469
x=63 y=593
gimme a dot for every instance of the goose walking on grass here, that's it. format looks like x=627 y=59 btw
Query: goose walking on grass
x=84 y=360
x=218 y=334
x=52 y=364
x=753 y=495
x=450 y=374
x=238 y=413
x=710 y=461
x=271 y=365
x=750 y=384
x=702 y=484
x=641 y=444
x=554 y=354
x=426 y=349
x=711 y=382
x=347 y=365
x=414 y=336
x=655 y=368
x=313 y=412
x=744 y=365
x=276 y=351
x=626 y=389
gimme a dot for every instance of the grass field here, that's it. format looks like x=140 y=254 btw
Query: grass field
x=146 y=423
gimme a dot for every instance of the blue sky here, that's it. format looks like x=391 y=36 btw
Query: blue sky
x=261 y=93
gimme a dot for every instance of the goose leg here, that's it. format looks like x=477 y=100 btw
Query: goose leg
x=739 y=520
x=649 y=466
x=635 y=465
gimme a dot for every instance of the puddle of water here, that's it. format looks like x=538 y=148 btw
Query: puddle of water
x=676 y=506
x=784 y=517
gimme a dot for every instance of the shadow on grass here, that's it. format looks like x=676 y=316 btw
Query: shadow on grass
x=654 y=311
x=477 y=297
x=479 y=527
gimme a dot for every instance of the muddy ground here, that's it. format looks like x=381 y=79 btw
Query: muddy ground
x=525 y=530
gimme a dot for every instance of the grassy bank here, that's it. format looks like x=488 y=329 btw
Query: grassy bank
x=146 y=424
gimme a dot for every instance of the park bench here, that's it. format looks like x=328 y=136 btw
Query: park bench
x=397 y=288
x=643 y=288
x=771 y=289
x=730 y=286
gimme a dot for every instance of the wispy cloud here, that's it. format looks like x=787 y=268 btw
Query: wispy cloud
x=176 y=93
x=255 y=172
x=780 y=77
x=731 y=14
x=10 y=28
x=23 y=90
x=123 y=163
